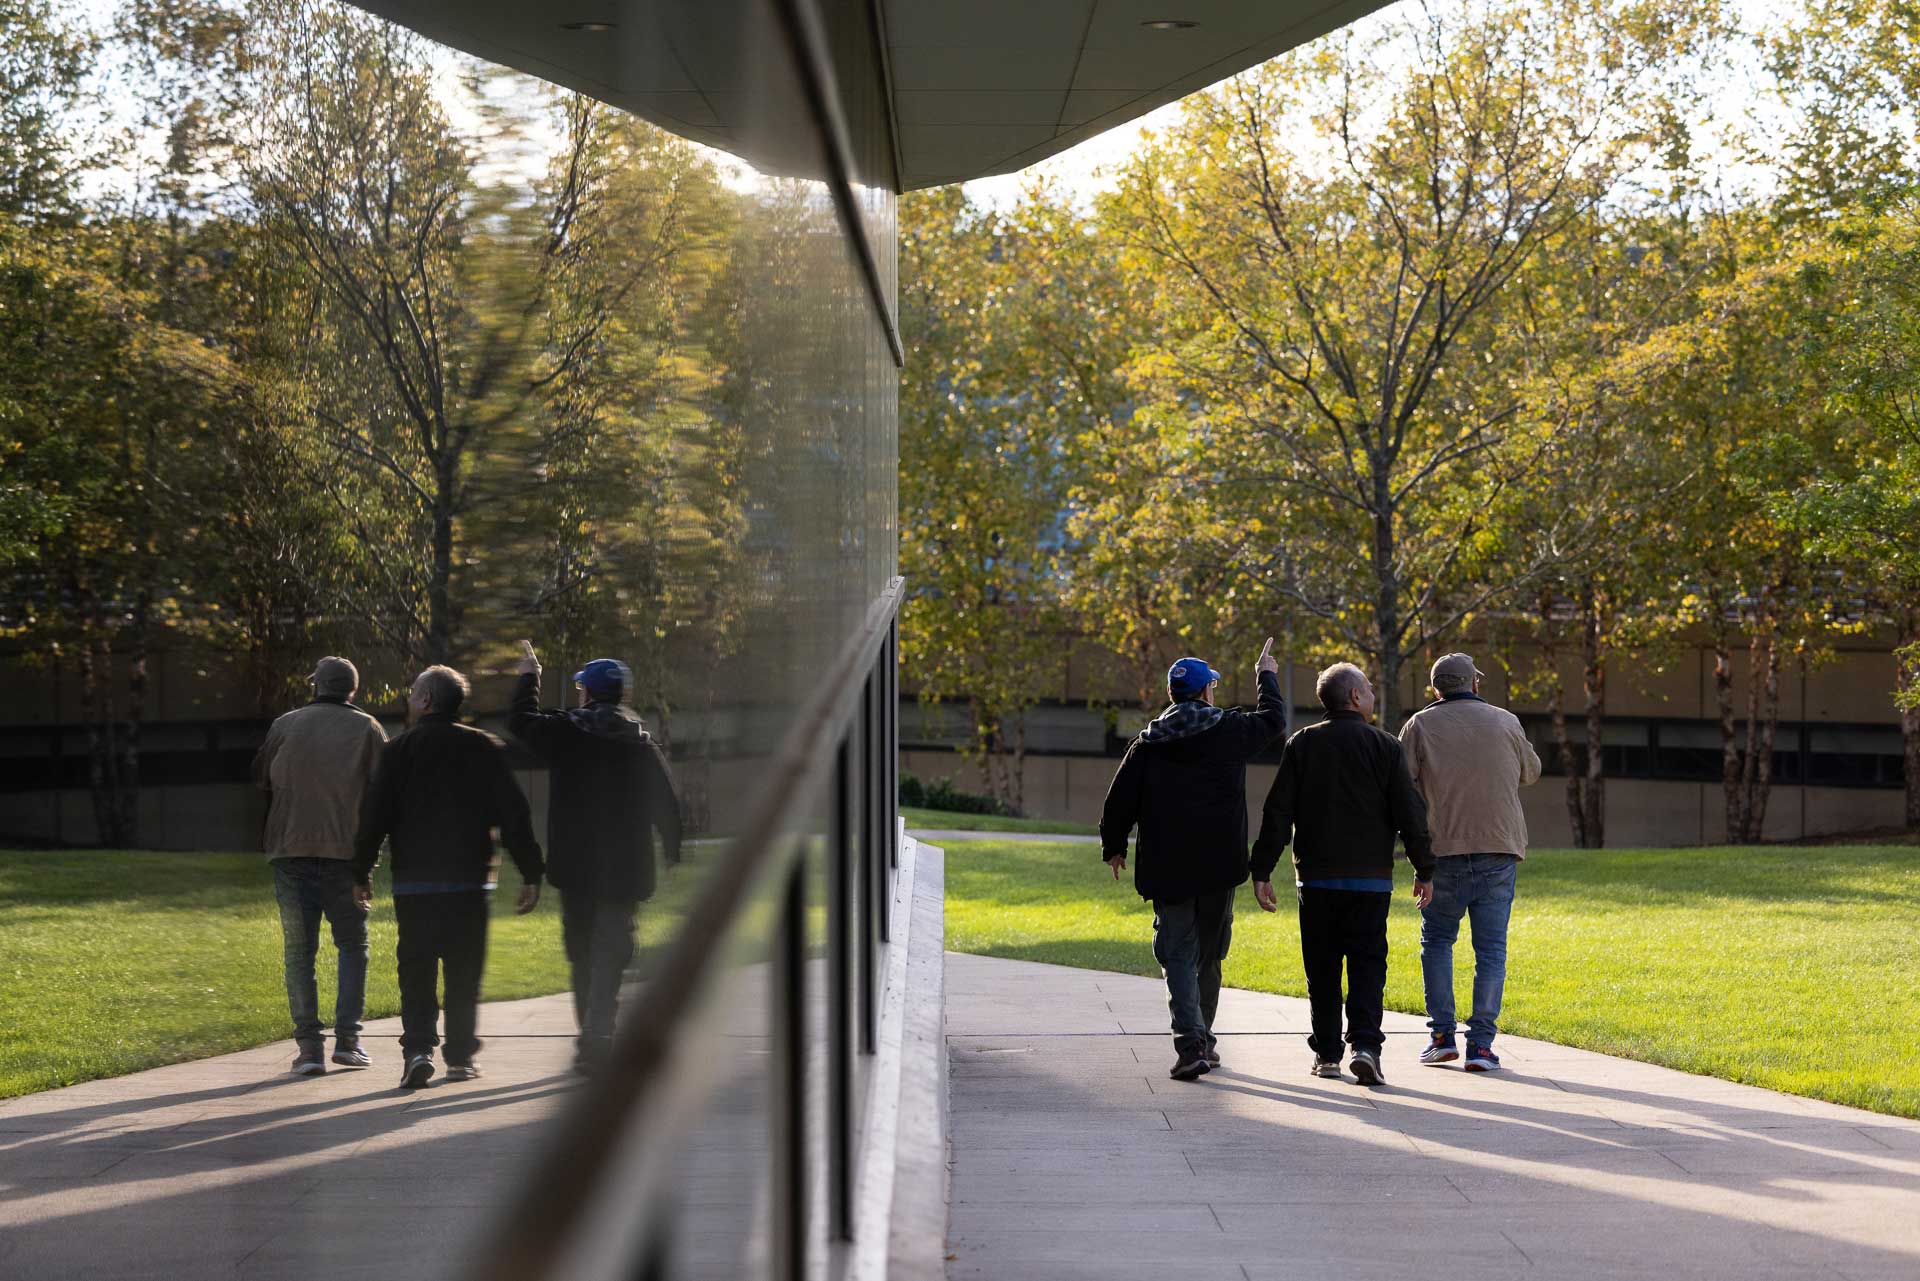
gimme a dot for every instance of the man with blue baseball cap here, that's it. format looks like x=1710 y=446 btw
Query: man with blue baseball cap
x=1183 y=784
x=609 y=791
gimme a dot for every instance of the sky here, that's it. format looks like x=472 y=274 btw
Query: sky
x=1087 y=169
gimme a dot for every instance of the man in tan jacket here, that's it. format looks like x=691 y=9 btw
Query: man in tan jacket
x=1469 y=759
x=315 y=765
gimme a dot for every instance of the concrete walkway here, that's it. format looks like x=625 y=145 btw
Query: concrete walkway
x=943 y=837
x=1075 y=1157
x=232 y=1167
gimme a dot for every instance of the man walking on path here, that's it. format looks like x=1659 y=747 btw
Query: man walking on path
x=1342 y=794
x=1183 y=783
x=314 y=766
x=439 y=791
x=1469 y=759
x=610 y=790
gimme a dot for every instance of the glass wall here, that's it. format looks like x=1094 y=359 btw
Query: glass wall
x=372 y=347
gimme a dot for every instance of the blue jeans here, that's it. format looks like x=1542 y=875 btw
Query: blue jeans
x=1479 y=887
x=1190 y=939
x=307 y=889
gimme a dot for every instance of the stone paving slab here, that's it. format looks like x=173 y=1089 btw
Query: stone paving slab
x=1073 y=1156
x=233 y=1167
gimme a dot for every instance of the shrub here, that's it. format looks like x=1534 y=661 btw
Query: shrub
x=941 y=794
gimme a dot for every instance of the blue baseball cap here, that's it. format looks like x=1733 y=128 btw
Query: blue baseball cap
x=607 y=679
x=1190 y=676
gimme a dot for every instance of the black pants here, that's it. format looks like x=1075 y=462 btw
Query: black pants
x=439 y=930
x=1190 y=939
x=599 y=939
x=1349 y=926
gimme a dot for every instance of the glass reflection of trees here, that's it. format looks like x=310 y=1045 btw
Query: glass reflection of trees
x=342 y=342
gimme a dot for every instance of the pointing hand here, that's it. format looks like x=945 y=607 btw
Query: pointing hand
x=1266 y=661
x=528 y=665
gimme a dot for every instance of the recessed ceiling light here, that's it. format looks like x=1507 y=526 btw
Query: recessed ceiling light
x=588 y=26
x=1169 y=24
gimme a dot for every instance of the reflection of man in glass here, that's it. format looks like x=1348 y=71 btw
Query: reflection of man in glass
x=609 y=791
x=439 y=792
x=315 y=764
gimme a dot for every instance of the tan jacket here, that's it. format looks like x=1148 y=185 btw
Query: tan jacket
x=316 y=762
x=1470 y=759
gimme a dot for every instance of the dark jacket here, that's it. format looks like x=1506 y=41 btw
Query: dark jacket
x=437 y=792
x=609 y=790
x=1342 y=793
x=1184 y=784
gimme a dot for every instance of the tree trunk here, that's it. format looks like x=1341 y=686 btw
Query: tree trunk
x=1730 y=783
x=104 y=759
x=1386 y=601
x=439 y=620
x=1762 y=770
x=1016 y=798
x=129 y=747
x=1907 y=684
x=1593 y=824
x=1562 y=740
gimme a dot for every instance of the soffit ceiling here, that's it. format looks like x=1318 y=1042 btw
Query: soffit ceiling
x=979 y=87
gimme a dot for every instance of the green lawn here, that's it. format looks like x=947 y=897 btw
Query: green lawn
x=1788 y=967
x=115 y=961
x=953 y=821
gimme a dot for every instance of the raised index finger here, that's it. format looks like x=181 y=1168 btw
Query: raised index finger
x=1267 y=649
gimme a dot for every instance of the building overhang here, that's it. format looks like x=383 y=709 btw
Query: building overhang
x=974 y=87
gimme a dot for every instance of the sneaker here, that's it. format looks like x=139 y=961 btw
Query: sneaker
x=1441 y=1049
x=463 y=1071
x=1328 y=1069
x=417 y=1072
x=1213 y=1055
x=1481 y=1058
x=349 y=1054
x=1366 y=1068
x=1188 y=1068
x=309 y=1063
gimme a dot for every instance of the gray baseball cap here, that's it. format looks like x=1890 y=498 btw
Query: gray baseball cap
x=335 y=676
x=1453 y=673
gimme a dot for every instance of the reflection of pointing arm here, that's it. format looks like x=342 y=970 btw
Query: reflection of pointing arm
x=529 y=722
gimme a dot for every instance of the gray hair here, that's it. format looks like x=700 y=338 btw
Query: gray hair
x=1337 y=684
x=443 y=688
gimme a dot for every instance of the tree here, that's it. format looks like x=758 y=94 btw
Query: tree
x=1344 y=226
x=984 y=443
x=99 y=398
x=1862 y=291
x=1731 y=393
x=44 y=64
x=1846 y=73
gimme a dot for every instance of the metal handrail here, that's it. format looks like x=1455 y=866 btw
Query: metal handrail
x=582 y=1213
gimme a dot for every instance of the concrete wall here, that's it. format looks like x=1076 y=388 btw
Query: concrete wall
x=1639 y=812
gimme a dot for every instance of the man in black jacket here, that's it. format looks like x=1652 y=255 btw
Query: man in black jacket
x=1183 y=783
x=1343 y=792
x=437 y=793
x=609 y=791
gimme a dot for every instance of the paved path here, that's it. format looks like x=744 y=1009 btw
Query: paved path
x=934 y=836
x=232 y=1167
x=1075 y=1157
